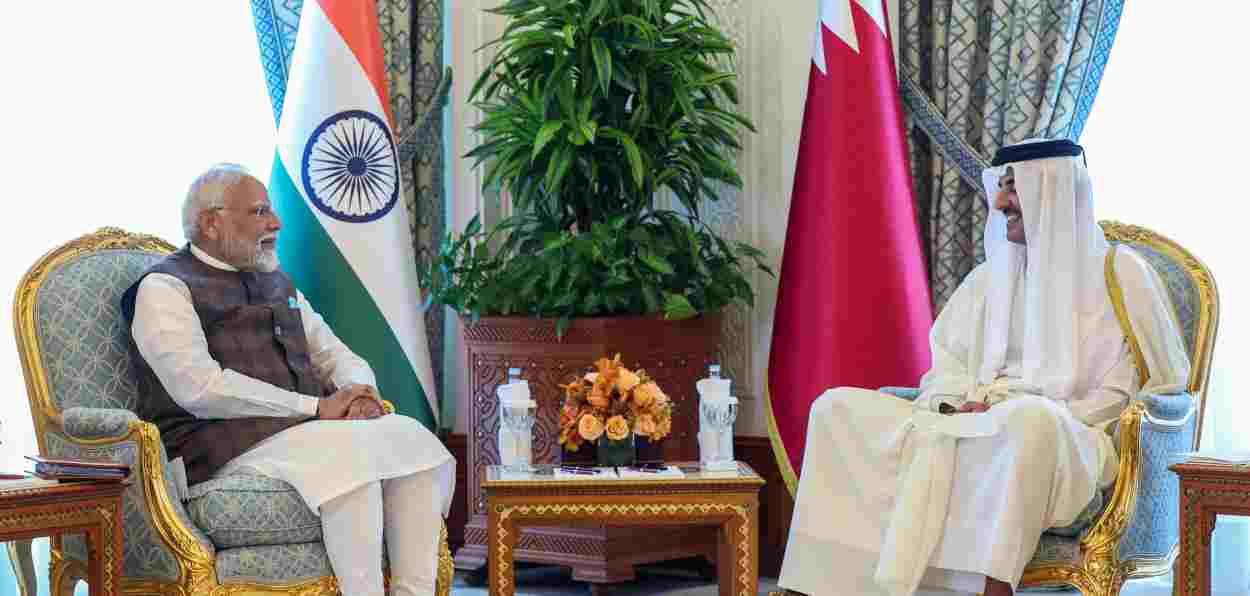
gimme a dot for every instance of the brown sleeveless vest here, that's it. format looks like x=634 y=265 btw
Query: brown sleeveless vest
x=253 y=329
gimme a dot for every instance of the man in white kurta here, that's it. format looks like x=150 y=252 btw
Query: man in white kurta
x=952 y=492
x=360 y=469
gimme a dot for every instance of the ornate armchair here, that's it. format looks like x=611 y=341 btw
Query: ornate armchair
x=1132 y=530
x=235 y=534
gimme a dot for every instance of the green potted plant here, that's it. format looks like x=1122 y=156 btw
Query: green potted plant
x=592 y=108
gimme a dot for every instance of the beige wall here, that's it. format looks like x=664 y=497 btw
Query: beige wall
x=774 y=38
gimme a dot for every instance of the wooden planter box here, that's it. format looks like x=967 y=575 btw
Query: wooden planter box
x=674 y=353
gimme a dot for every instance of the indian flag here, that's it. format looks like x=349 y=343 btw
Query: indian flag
x=346 y=239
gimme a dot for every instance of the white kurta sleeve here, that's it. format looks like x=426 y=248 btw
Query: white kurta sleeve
x=334 y=361
x=169 y=336
x=1105 y=402
x=1154 y=322
x=952 y=377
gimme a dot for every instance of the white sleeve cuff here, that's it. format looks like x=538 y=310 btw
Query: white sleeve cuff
x=308 y=405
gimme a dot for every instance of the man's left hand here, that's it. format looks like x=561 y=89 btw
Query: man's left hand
x=972 y=407
x=367 y=406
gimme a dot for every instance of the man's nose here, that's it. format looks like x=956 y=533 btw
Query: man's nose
x=1000 y=200
x=275 y=223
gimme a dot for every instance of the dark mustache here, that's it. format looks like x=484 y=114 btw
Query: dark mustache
x=1010 y=212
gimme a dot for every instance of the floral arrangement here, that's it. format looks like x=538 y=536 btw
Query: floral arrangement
x=613 y=402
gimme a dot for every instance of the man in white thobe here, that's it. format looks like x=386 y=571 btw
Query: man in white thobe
x=952 y=492
x=244 y=376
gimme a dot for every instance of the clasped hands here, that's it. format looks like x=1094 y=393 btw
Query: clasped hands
x=351 y=402
x=970 y=407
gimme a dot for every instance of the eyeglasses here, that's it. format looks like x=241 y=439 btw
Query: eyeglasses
x=262 y=211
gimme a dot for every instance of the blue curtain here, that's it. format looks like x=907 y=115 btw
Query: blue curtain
x=980 y=74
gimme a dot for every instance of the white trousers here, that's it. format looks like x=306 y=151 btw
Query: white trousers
x=1040 y=471
x=405 y=511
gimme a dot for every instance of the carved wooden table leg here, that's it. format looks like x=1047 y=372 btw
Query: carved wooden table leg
x=501 y=541
x=95 y=568
x=737 y=562
x=1207 y=490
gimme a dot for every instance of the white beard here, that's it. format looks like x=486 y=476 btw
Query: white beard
x=265 y=261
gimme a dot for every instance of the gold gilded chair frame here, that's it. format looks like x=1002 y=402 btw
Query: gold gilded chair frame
x=1100 y=571
x=197 y=566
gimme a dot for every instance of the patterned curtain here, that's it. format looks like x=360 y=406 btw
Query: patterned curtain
x=412 y=39
x=980 y=74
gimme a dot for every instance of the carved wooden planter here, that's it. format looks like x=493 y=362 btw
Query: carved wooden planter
x=674 y=353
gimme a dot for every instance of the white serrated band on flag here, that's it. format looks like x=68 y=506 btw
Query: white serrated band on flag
x=380 y=251
x=835 y=15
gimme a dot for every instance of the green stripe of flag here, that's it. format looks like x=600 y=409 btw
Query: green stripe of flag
x=321 y=272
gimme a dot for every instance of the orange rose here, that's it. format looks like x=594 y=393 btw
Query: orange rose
x=600 y=395
x=647 y=394
x=626 y=380
x=617 y=428
x=570 y=439
x=663 y=426
x=644 y=425
x=589 y=427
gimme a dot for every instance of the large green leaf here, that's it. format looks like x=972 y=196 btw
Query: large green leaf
x=545 y=135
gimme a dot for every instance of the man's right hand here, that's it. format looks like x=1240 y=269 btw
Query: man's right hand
x=336 y=406
x=972 y=407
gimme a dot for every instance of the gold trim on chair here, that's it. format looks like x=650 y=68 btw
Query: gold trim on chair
x=1207 y=323
x=197 y=565
x=1099 y=571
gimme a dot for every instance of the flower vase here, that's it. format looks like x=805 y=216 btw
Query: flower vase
x=615 y=453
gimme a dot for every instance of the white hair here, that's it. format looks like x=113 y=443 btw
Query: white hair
x=209 y=192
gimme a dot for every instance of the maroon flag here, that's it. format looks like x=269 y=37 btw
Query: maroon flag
x=853 y=303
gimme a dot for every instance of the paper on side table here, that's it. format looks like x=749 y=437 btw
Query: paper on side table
x=667 y=472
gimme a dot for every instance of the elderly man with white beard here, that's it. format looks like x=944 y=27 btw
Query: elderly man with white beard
x=242 y=375
x=1038 y=350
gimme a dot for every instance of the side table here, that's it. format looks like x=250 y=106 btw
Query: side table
x=90 y=508
x=1207 y=490
x=727 y=500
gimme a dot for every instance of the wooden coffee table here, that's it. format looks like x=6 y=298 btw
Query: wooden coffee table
x=1207 y=490
x=727 y=500
x=90 y=508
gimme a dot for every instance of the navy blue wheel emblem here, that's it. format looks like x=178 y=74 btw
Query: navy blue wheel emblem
x=350 y=170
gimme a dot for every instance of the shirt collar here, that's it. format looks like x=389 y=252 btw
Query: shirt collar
x=210 y=261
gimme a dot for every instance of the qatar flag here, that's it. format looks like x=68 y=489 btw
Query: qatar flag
x=853 y=305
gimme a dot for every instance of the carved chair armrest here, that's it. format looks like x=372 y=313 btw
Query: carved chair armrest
x=97 y=423
x=1167 y=430
x=908 y=393
x=1107 y=530
x=160 y=542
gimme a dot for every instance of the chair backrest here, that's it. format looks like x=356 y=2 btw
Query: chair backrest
x=1192 y=290
x=68 y=323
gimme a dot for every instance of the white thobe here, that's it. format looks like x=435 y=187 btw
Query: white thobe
x=1028 y=464
x=322 y=459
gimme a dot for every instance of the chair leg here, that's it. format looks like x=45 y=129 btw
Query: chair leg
x=65 y=576
x=446 y=565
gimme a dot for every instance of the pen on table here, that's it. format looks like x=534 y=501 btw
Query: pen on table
x=12 y=476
